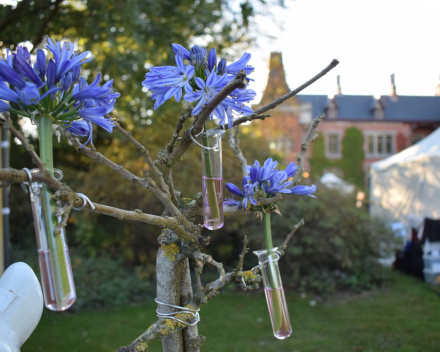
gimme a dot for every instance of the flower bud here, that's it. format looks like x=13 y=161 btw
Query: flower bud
x=221 y=68
x=212 y=59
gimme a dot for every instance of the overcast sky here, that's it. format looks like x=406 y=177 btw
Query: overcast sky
x=371 y=39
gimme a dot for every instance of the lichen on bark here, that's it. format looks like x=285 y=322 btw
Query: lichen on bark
x=170 y=250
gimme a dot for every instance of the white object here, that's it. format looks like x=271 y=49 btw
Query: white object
x=399 y=230
x=431 y=276
x=330 y=180
x=407 y=183
x=21 y=306
x=431 y=248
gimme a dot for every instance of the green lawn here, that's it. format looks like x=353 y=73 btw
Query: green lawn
x=403 y=317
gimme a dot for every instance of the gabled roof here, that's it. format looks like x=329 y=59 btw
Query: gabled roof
x=361 y=107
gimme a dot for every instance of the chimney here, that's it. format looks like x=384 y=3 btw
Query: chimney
x=393 y=93
x=437 y=90
x=338 y=85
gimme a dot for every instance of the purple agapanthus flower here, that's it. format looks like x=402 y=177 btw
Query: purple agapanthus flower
x=247 y=193
x=168 y=81
x=4 y=107
x=268 y=180
x=53 y=86
x=206 y=91
x=202 y=79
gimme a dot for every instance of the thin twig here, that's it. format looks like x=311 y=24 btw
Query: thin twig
x=304 y=146
x=258 y=113
x=212 y=288
x=145 y=183
x=283 y=247
x=183 y=117
x=146 y=154
x=244 y=251
x=234 y=144
x=219 y=266
x=29 y=147
x=244 y=119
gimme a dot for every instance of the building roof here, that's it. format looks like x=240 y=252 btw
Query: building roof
x=276 y=83
x=361 y=107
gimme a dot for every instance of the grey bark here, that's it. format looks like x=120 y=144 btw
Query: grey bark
x=191 y=338
x=174 y=287
x=168 y=291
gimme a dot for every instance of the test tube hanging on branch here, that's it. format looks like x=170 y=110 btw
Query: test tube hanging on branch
x=212 y=178
x=53 y=253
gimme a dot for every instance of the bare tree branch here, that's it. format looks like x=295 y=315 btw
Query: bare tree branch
x=283 y=247
x=310 y=137
x=234 y=144
x=294 y=92
x=29 y=147
x=242 y=255
x=146 y=183
x=259 y=114
x=183 y=117
x=146 y=154
x=211 y=289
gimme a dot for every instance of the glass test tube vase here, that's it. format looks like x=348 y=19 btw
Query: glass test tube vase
x=53 y=253
x=273 y=289
x=212 y=176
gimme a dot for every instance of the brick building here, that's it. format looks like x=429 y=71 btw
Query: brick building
x=388 y=124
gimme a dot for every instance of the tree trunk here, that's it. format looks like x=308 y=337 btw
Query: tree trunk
x=174 y=287
x=191 y=337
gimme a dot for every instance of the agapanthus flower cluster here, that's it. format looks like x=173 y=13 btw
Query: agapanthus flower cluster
x=54 y=88
x=266 y=181
x=198 y=77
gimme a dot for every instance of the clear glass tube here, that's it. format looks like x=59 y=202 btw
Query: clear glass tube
x=53 y=253
x=273 y=289
x=212 y=172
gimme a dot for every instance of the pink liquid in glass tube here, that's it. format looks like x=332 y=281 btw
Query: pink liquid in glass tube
x=55 y=297
x=279 y=315
x=213 y=203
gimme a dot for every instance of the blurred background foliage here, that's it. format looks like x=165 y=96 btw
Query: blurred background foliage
x=113 y=261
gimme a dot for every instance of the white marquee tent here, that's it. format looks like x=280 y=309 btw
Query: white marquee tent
x=407 y=183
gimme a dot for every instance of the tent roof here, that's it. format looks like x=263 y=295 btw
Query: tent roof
x=428 y=147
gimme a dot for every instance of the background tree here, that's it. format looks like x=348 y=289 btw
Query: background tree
x=127 y=38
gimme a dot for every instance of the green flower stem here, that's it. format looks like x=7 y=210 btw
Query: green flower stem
x=210 y=186
x=273 y=274
x=55 y=241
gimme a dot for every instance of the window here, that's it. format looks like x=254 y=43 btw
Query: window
x=333 y=145
x=370 y=145
x=378 y=114
x=389 y=144
x=284 y=144
x=332 y=113
x=332 y=110
x=379 y=144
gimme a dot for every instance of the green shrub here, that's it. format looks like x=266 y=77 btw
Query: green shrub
x=99 y=281
x=337 y=248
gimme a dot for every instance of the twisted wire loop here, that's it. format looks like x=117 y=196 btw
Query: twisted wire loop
x=86 y=200
x=34 y=192
x=193 y=312
x=215 y=147
x=277 y=257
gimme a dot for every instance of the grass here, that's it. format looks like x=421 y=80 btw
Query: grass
x=402 y=317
